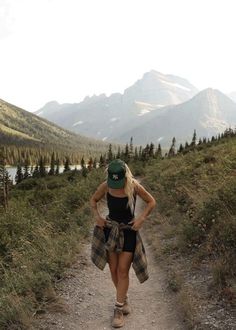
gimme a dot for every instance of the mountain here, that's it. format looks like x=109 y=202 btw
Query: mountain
x=159 y=90
x=232 y=95
x=22 y=128
x=210 y=112
x=107 y=118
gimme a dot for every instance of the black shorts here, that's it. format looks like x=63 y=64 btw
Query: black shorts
x=129 y=239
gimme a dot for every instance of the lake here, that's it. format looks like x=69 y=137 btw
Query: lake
x=12 y=170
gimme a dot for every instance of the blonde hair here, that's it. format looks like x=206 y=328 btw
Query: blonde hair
x=129 y=187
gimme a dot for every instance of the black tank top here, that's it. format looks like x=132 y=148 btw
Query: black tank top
x=118 y=209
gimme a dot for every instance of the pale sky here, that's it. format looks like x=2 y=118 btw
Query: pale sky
x=66 y=49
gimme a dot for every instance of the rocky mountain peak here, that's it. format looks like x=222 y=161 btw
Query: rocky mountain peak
x=159 y=89
x=213 y=95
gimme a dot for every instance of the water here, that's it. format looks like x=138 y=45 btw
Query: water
x=12 y=170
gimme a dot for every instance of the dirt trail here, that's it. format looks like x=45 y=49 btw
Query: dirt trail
x=89 y=296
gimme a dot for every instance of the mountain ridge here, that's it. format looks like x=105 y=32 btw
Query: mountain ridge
x=105 y=118
x=19 y=127
x=209 y=112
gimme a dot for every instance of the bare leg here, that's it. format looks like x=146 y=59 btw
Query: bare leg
x=124 y=263
x=113 y=265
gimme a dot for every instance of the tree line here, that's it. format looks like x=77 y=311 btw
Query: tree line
x=201 y=143
x=128 y=153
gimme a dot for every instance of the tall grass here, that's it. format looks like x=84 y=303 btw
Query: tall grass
x=39 y=237
x=196 y=193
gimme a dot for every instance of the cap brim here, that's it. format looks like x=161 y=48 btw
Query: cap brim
x=118 y=184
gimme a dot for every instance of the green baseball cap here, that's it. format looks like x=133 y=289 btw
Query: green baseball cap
x=116 y=174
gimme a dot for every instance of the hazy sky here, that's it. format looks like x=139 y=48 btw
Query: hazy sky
x=66 y=49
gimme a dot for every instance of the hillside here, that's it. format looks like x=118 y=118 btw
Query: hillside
x=194 y=230
x=192 y=235
x=107 y=118
x=41 y=234
x=24 y=129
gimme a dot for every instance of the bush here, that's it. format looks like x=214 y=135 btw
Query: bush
x=39 y=238
x=27 y=184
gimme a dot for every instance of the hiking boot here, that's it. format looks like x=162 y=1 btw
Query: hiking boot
x=118 y=318
x=126 y=308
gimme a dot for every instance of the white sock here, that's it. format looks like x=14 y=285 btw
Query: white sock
x=119 y=305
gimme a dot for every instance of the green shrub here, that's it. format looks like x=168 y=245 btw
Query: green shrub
x=39 y=238
x=27 y=184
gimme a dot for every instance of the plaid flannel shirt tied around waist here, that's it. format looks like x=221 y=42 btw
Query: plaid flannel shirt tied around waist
x=115 y=243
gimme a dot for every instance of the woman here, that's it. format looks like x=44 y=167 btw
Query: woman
x=116 y=239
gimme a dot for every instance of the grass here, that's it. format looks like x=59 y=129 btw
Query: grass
x=40 y=237
x=47 y=219
x=196 y=199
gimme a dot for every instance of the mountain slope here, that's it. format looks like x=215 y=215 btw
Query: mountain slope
x=19 y=127
x=210 y=112
x=108 y=117
x=232 y=95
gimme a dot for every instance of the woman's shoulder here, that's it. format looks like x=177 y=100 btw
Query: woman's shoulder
x=103 y=186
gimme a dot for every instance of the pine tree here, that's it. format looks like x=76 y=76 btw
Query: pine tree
x=194 y=139
x=158 y=153
x=82 y=163
x=199 y=141
x=57 y=166
x=140 y=152
x=181 y=148
x=136 y=153
x=42 y=169
x=172 y=148
x=26 y=170
x=102 y=162
x=8 y=185
x=131 y=148
x=145 y=153
x=151 y=150
x=4 y=180
x=110 y=154
x=118 y=155
x=90 y=164
x=36 y=173
x=67 y=165
x=52 y=165
x=84 y=170
x=126 y=153
x=19 y=174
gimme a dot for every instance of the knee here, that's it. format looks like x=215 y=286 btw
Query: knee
x=113 y=271
x=122 y=272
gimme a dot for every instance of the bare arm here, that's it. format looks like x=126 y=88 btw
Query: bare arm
x=96 y=197
x=150 y=204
